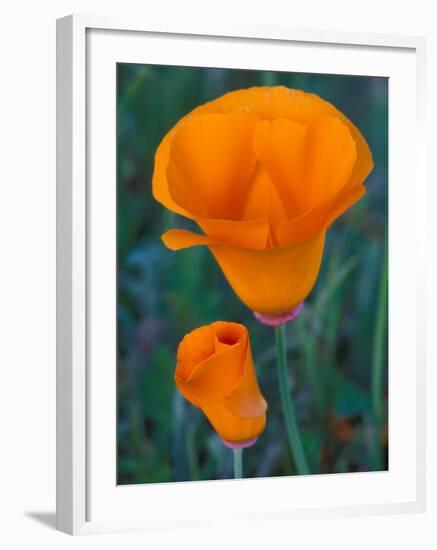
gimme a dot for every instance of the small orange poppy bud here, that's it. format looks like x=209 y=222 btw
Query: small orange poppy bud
x=215 y=373
x=264 y=172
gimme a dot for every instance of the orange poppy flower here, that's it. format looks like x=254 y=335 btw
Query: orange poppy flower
x=215 y=373
x=264 y=172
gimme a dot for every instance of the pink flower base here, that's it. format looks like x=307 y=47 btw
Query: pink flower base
x=240 y=444
x=282 y=318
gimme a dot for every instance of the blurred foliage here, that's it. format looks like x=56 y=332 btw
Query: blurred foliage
x=334 y=346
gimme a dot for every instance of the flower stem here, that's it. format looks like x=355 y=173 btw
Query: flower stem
x=287 y=404
x=238 y=463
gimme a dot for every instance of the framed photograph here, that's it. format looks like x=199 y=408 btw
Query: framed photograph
x=240 y=275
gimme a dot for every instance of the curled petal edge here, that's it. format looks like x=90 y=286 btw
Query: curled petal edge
x=289 y=232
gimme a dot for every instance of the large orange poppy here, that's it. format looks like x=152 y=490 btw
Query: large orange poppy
x=264 y=172
x=215 y=373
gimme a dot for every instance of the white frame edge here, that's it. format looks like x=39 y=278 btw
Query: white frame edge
x=71 y=276
x=71 y=356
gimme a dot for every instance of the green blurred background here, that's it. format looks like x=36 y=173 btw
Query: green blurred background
x=337 y=347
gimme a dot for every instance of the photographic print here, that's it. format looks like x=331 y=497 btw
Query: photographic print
x=252 y=294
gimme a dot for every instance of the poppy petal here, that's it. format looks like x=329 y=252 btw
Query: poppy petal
x=307 y=165
x=245 y=234
x=266 y=103
x=279 y=147
x=246 y=400
x=268 y=281
x=215 y=373
x=230 y=427
x=178 y=239
x=270 y=103
x=218 y=373
x=319 y=218
x=274 y=280
x=211 y=163
x=329 y=157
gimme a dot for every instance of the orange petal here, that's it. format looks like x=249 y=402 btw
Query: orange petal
x=268 y=281
x=195 y=347
x=279 y=147
x=217 y=374
x=307 y=165
x=270 y=103
x=223 y=382
x=233 y=428
x=330 y=155
x=230 y=427
x=177 y=239
x=266 y=103
x=319 y=218
x=263 y=201
x=246 y=400
x=160 y=188
x=211 y=163
x=274 y=280
x=249 y=234
x=246 y=234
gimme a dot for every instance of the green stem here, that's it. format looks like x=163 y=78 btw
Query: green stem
x=238 y=463
x=378 y=361
x=287 y=404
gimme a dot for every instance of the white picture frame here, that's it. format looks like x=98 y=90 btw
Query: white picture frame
x=81 y=484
